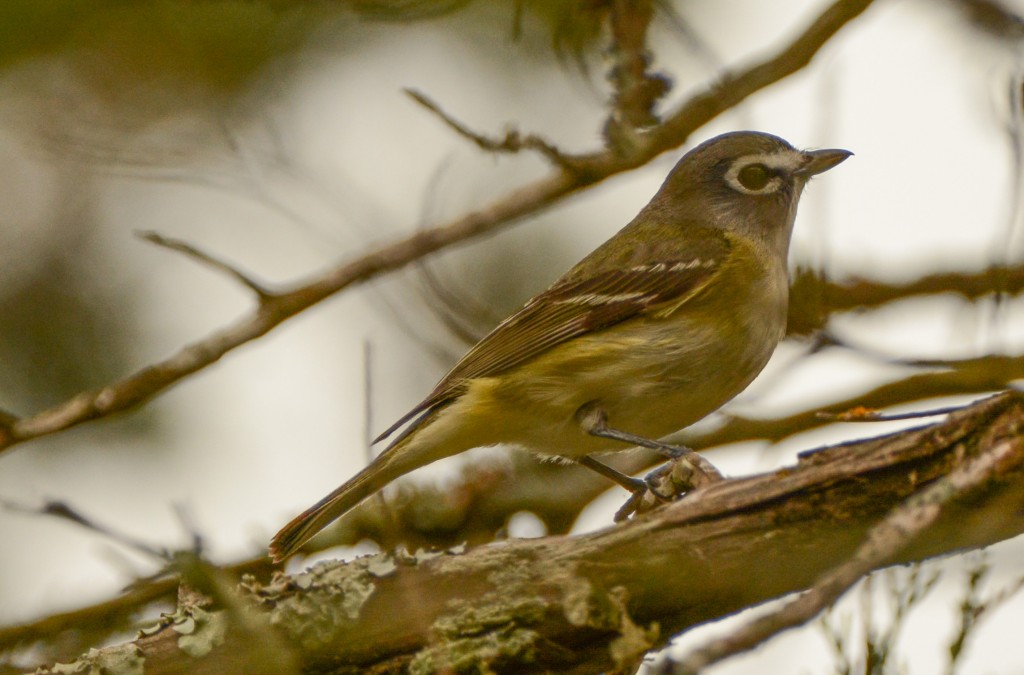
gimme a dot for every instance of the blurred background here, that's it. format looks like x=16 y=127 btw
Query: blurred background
x=276 y=136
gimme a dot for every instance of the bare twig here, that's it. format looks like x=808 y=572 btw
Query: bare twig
x=63 y=511
x=863 y=414
x=875 y=649
x=974 y=606
x=971 y=376
x=191 y=251
x=812 y=298
x=994 y=18
x=512 y=142
x=7 y=422
x=732 y=88
x=93 y=624
x=970 y=285
x=587 y=170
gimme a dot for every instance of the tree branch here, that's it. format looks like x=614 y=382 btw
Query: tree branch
x=883 y=543
x=813 y=299
x=96 y=624
x=258 y=289
x=476 y=508
x=601 y=601
x=972 y=376
x=635 y=90
x=512 y=142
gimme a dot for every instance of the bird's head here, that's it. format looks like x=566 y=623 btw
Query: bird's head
x=744 y=181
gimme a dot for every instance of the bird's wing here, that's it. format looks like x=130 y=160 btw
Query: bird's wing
x=574 y=306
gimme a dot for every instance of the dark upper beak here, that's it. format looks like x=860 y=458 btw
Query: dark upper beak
x=819 y=161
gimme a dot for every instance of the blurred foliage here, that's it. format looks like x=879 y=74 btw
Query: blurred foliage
x=574 y=25
x=220 y=42
x=223 y=42
x=60 y=336
x=404 y=10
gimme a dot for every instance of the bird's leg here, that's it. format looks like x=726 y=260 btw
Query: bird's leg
x=594 y=421
x=634 y=485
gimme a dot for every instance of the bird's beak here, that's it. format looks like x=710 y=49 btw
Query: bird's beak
x=819 y=161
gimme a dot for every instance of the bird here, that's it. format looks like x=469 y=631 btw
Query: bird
x=652 y=331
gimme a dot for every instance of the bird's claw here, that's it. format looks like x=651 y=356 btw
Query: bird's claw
x=669 y=482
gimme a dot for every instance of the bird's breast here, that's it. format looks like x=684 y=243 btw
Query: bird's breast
x=652 y=375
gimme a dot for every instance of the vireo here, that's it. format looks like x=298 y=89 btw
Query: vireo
x=658 y=327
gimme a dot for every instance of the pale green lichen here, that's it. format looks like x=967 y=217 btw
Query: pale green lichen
x=634 y=641
x=474 y=636
x=186 y=626
x=124 y=659
x=494 y=628
x=381 y=566
x=351 y=581
x=585 y=605
x=486 y=613
x=201 y=632
x=578 y=599
x=477 y=654
x=334 y=593
x=150 y=630
x=423 y=555
x=517 y=570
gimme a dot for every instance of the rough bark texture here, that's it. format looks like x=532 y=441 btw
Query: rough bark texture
x=601 y=601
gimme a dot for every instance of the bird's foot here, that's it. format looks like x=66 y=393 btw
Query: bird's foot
x=686 y=472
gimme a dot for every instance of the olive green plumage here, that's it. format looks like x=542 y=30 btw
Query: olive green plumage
x=658 y=327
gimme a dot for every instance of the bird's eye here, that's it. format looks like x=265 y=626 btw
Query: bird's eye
x=754 y=177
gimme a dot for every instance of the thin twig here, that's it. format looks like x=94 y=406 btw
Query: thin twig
x=368 y=399
x=975 y=606
x=863 y=414
x=109 y=616
x=513 y=141
x=856 y=293
x=974 y=376
x=62 y=510
x=261 y=292
x=792 y=58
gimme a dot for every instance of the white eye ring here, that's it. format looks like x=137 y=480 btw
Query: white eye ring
x=732 y=177
x=783 y=162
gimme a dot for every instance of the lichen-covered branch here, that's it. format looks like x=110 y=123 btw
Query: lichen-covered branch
x=601 y=601
x=476 y=507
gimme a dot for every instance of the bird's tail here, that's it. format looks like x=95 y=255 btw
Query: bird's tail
x=389 y=465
